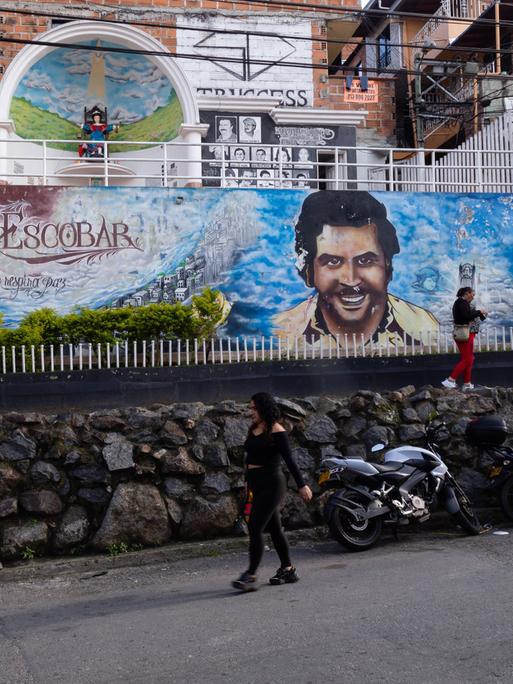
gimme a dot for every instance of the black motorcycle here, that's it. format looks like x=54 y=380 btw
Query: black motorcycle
x=409 y=485
x=489 y=434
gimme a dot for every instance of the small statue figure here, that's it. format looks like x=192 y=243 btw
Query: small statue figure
x=96 y=127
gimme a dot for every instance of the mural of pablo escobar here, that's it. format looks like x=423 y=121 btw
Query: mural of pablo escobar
x=345 y=245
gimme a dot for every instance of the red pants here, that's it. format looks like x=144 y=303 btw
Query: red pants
x=466 y=361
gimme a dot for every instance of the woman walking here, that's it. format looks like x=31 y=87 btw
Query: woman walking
x=466 y=325
x=267 y=443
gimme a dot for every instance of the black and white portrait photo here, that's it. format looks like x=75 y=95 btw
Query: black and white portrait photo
x=216 y=152
x=231 y=178
x=303 y=157
x=239 y=156
x=226 y=129
x=250 y=129
x=302 y=179
x=261 y=155
x=283 y=155
x=265 y=178
x=247 y=178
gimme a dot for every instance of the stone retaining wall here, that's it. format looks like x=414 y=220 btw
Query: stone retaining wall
x=142 y=476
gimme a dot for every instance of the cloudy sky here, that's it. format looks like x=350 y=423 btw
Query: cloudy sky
x=58 y=83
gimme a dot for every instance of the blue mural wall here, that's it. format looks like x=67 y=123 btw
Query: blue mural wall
x=71 y=247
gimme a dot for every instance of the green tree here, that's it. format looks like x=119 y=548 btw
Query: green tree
x=43 y=326
x=209 y=310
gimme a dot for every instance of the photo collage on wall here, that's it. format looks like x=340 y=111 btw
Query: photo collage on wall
x=250 y=161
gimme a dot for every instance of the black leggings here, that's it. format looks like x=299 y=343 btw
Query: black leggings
x=268 y=489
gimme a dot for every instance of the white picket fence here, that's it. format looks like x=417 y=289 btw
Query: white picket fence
x=234 y=350
x=483 y=163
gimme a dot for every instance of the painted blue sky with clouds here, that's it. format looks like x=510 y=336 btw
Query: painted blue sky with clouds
x=135 y=87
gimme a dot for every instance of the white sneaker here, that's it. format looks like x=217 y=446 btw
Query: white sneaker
x=449 y=383
x=467 y=386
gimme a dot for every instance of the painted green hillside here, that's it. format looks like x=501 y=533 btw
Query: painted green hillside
x=163 y=124
x=35 y=123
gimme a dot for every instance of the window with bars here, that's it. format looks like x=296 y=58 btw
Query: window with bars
x=384 y=49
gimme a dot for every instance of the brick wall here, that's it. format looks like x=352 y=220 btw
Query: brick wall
x=326 y=92
x=381 y=113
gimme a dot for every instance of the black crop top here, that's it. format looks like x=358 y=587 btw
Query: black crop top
x=266 y=452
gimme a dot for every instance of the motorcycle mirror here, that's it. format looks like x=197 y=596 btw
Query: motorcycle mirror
x=377 y=447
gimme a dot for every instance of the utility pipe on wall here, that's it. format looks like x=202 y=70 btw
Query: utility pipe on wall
x=498 y=64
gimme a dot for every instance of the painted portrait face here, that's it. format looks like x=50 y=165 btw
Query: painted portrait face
x=303 y=154
x=225 y=128
x=350 y=275
x=260 y=155
x=239 y=154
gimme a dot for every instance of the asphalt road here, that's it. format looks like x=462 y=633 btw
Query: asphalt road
x=429 y=608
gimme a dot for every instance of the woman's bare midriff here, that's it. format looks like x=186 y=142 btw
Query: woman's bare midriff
x=250 y=465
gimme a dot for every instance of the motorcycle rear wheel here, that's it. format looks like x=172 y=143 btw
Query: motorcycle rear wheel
x=353 y=535
x=506 y=497
x=465 y=517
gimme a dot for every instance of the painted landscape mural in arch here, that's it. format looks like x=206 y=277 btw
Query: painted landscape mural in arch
x=50 y=99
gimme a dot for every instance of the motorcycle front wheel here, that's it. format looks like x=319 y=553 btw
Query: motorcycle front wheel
x=465 y=517
x=506 y=497
x=354 y=535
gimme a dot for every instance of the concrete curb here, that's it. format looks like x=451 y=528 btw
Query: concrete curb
x=89 y=566
x=92 y=565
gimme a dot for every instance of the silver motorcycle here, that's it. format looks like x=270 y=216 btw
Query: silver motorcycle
x=410 y=484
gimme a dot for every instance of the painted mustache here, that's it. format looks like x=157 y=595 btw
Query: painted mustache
x=350 y=296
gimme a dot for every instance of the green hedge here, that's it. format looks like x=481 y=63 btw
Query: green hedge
x=152 y=322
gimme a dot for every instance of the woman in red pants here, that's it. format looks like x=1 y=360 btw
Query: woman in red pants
x=464 y=314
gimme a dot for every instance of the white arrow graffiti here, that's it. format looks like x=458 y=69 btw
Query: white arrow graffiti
x=242 y=47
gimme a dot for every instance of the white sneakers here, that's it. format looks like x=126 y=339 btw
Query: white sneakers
x=449 y=383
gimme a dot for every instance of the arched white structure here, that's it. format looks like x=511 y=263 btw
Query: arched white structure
x=81 y=31
x=191 y=131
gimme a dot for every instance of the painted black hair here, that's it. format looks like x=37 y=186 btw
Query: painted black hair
x=341 y=208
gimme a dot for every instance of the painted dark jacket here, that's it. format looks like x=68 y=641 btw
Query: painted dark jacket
x=400 y=317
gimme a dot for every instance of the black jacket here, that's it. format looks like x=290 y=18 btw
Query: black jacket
x=462 y=312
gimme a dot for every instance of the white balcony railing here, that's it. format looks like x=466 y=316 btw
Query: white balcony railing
x=178 y=164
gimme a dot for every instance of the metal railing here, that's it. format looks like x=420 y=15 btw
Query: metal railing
x=460 y=9
x=234 y=350
x=180 y=164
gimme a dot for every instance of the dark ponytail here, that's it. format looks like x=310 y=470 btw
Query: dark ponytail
x=463 y=291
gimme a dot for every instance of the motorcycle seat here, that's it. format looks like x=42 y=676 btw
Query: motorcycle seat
x=387 y=467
